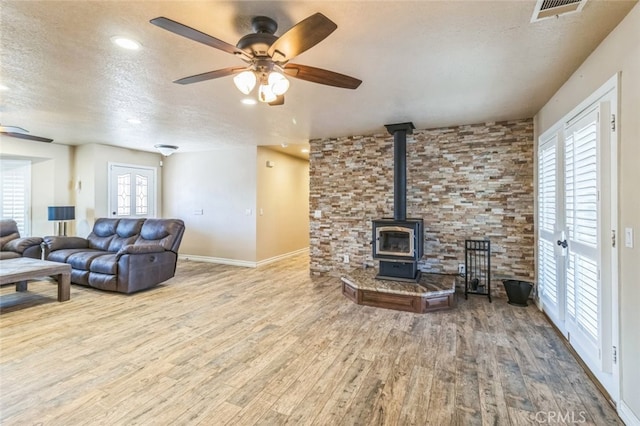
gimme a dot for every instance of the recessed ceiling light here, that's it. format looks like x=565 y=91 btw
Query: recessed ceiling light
x=304 y=150
x=125 y=43
x=3 y=87
x=249 y=101
x=134 y=121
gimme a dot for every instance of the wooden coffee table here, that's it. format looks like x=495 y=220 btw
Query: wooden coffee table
x=21 y=269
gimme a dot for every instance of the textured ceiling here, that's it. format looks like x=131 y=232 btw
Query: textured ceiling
x=434 y=63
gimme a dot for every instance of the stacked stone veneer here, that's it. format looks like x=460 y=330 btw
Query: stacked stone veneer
x=466 y=182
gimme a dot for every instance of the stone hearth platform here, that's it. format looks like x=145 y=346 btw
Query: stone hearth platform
x=432 y=293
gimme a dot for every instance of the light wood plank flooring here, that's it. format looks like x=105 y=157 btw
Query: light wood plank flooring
x=268 y=346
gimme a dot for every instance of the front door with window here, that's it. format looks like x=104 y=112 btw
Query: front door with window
x=132 y=191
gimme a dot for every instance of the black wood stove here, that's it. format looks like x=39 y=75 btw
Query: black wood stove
x=398 y=241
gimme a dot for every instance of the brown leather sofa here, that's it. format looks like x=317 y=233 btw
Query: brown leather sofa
x=12 y=245
x=123 y=255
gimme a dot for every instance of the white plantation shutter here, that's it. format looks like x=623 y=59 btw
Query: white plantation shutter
x=15 y=190
x=586 y=284
x=547 y=270
x=581 y=204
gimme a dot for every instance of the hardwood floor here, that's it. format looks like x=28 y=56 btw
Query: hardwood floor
x=226 y=345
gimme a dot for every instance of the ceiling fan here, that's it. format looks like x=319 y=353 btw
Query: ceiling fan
x=267 y=56
x=19 y=132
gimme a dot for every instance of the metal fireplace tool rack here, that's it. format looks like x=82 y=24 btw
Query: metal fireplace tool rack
x=477 y=258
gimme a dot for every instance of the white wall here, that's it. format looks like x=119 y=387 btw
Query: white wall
x=57 y=168
x=91 y=165
x=282 y=204
x=51 y=177
x=222 y=184
x=620 y=51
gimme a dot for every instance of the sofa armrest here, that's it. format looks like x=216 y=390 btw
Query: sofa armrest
x=19 y=245
x=60 y=243
x=140 y=249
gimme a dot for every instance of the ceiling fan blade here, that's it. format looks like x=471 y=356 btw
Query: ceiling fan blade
x=321 y=76
x=211 y=75
x=27 y=136
x=302 y=36
x=12 y=129
x=193 y=34
x=279 y=101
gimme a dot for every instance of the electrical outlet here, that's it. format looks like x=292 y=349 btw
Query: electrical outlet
x=462 y=268
x=345 y=258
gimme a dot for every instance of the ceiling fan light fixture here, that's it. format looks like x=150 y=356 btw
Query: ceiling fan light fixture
x=278 y=83
x=245 y=81
x=166 y=150
x=265 y=94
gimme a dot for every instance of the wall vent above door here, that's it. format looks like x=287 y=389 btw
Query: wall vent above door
x=549 y=8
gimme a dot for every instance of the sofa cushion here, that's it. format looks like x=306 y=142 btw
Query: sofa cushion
x=63 y=255
x=165 y=232
x=104 y=230
x=82 y=259
x=105 y=264
x=127 y=232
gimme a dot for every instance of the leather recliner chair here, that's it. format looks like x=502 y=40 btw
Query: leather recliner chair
x=13 y=246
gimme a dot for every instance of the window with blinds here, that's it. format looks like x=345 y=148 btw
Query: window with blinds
x=15 y=193
x=581 y=206
x=547 y=201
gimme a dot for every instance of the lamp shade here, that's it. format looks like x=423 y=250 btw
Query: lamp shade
x=245 y=81
x=62 y=212
x=278 y=83
x=265 y=94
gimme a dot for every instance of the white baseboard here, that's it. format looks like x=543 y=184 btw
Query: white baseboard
x=219 y=260
x=283 y=256
x=627 y=416
x=242 y=263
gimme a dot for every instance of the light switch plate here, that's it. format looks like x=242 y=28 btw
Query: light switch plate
x=628 y=237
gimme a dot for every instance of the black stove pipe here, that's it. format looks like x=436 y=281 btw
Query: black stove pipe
x=399 y=132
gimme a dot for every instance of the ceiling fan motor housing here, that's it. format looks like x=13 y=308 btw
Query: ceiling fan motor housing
x=258 y=43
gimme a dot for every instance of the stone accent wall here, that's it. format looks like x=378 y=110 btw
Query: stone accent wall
x=466 y=182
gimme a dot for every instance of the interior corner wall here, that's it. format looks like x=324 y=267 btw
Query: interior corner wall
x=466 y=182
x=92 y=171
x=282 y=204
x=214 y=192
x=619 y=52
x=51 y=177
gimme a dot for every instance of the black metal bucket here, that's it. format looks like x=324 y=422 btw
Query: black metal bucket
x=517 y=291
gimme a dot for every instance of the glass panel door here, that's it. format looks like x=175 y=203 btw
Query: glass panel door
x=132 y=191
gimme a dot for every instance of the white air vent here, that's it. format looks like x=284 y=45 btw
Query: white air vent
x=550 y=8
